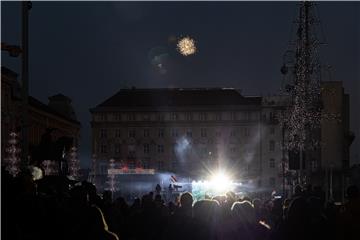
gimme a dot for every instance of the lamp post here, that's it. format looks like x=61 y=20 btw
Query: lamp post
x=26 y=6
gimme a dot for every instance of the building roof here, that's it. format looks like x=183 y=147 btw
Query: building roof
x=8 y=72
x=39 y=105
x=176 y=97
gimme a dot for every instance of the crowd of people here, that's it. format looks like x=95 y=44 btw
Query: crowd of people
x=56 y=208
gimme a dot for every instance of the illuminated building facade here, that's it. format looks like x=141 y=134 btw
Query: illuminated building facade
x=189 y=132
x=193 y=131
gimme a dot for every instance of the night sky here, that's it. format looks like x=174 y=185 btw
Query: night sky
x=89 y=50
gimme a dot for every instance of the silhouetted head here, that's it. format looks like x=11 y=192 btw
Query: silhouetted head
x=186 y=200
x=206 y=210
x=298 y=190
x=244 y=212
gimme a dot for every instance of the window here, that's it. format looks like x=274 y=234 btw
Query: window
x=233 y=149
x=103 y=148
x=218 y=133
x=272 y=182
x=272 y=163
x=131 y=117
x=160 y=165
x=174 y=132
x=117 y=148
x=161 y=132
x=131 y=152
x=203 y=152
x=218 y=116
x=161 y=117
x=232 y=133
x=272 y=145
x=146 y=117
x=132 y=133
x=189 y=133
x=160 y=148
x=174 y=164
x=189 y=116
x=203 y=116
x=174 y=116
x=117 y=133
x=145 y=163
x=146 y=132
x=272 y=130
x=247 y=116
x=203 y=132
x=102 y=117
x=117 y=116
x=146 y=148
x=246 y=132
x=103 y=133
x=272 y=116
x=233 y=116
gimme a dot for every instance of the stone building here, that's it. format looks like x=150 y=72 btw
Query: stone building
x=191 y=132
x=58 y=114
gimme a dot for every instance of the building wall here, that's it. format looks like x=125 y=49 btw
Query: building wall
x=39 y=114
x=238 y=140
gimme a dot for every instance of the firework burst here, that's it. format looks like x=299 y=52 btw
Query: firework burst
x=186 y=46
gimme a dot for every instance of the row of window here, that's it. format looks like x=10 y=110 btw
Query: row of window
x=160 y=149
x=174 y=132
x=175 y=116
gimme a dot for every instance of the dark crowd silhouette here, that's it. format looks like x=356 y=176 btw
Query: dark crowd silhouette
x=57 y=208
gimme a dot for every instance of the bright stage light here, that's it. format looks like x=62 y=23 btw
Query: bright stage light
x=221 y=183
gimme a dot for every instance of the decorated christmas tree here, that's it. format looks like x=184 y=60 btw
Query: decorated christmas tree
x=74 y=164
x=12 y=159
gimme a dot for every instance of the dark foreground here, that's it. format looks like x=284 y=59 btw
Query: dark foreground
x=53 y=210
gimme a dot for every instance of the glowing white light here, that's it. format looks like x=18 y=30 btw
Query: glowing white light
x=221 y=183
